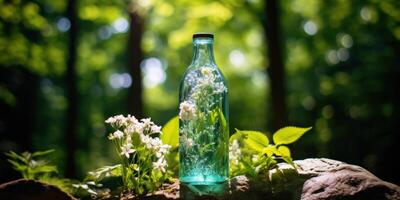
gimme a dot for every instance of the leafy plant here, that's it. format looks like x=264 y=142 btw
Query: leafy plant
x=29 y=164
x=142 y=153
x=251 y=153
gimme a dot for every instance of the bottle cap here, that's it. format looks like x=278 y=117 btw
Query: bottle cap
x=203 y=35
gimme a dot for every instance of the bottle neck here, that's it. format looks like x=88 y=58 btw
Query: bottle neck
x=203 y=54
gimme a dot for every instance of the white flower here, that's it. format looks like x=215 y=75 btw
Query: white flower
x=135 y=128
x=187 y=111
x=110 y=120
x=234 y=152
x=160 y=164
x=206 y=71
x=118 y=134
x=155 y=129
x=147 y=125
x=219 y=88
x=146 y=140
x=254 y=158
x=161 y=150
x=207 y=79
x=189 y=142
x=126 y=150
x=147 y=121
x=130 y=119
x=118 y=121
x=155 y=145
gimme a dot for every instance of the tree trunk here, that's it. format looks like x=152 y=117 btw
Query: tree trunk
x=71 y=92
x=135 y=56
x=276 y=68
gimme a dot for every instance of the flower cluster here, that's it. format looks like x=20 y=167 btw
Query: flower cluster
x=207 y=85
x=142 y=154
x=187 y=110
x=234 y=152
x=208 y=80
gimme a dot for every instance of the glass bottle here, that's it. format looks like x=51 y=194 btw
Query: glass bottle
x=203 y=118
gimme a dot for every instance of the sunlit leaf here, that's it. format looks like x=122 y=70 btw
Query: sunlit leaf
x=284 y=151
x=252 y=139
x=269 y=150
x=289 y=134
x=170 y=132
x=104 y=172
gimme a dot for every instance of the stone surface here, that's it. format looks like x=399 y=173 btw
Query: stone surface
x=337 y=180
x=314 y=179
x=24 y=189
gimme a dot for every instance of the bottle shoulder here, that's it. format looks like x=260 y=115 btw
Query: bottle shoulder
x=203 y=80
x=194 y=72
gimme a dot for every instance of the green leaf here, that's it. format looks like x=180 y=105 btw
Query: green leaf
x=103 y=172
x=44 y=169
x=236 y=136
x=224 y=125
x=269 y=150
x=288 y=134
x=170 y=132
x=17 y=166
x=42 y=153
x=284 y=151
x=15 y=156
x=249 y=168
x=252 y=139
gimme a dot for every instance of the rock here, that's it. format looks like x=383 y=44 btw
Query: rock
x=332 y=179
x=314 y=179
x=24 y=189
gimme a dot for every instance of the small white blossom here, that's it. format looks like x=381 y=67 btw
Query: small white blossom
x=160 y=164
x=206 y=82
x=155 y=129
x=254 y=158
x=131 y=119
x=161 y=150
x=155 y=142
x=135 y=128
x=146 y=140
x=118 y=134
x=147 y=125
x=206 y=71
x=219 y=88
x=189 y=142
x=208 y=78
x=127 y=149
x=187 y=111
x=147 y=121
x=117 y=121
x=234 y=152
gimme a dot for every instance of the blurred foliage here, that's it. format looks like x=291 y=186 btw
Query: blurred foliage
x=30 y=166
x=341 y=64
x=34 y=166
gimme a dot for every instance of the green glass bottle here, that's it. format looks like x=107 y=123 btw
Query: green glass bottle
x=203 y=118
